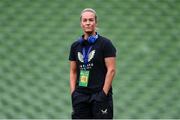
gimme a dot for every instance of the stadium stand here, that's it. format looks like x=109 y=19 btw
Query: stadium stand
x=35 y=37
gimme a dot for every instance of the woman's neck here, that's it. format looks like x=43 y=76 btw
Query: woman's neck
x=86 y=35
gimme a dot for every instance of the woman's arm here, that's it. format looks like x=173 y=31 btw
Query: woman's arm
x=110 y=64
x=73 y=75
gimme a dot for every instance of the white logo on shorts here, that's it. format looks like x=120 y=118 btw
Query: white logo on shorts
x=104 y=111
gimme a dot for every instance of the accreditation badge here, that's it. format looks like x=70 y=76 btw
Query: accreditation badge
x=84 y=76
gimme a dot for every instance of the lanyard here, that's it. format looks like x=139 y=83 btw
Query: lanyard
x=86 y=54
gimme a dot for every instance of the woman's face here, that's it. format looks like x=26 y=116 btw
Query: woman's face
x=88 y=22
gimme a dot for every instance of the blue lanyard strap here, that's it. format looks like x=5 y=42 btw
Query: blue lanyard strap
x=86 y=54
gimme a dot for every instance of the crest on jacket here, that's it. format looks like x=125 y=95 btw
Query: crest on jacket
x=90 y=56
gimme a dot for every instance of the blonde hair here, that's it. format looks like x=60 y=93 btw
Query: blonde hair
x=89 y=10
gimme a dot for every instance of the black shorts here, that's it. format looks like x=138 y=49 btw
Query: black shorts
x=89 y=106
